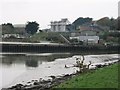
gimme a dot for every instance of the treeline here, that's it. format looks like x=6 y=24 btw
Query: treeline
x=80 y=21
x=8 y=28
x=111 y=23
x=32 y=27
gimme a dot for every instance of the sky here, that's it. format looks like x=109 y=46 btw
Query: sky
x=45 y=11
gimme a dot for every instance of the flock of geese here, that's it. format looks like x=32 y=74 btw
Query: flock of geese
x=80 y=64
x=85 y=67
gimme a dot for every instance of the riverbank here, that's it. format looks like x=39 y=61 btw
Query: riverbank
x=106 y=77
x=56 y=73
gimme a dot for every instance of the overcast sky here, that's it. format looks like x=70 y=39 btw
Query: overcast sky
x=44 y=11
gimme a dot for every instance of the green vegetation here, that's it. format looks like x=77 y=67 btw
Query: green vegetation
x=29 y=32
x=7 y=28
x=80 y=21
x=111 y=37
x=49 y=36
x=101 y=78
x=108 y=22
x=32 y=27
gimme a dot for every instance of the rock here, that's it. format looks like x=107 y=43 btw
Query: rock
x=28 y=82
x=36 y=83
x=4 y=89
x=17 y=87
x=99 y=66
x=40 y=80
x=45 y=81
x=53 y=77
x=33 y=87
x=66 y=75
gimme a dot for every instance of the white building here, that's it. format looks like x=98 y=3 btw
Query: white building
x=59 y=26
x=87 y=39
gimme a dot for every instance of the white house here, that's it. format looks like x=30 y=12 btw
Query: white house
x=59 y=26
x=87 y=39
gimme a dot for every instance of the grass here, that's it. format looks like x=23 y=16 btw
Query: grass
x=49 y=36
x=43 y=36
x=106 y=77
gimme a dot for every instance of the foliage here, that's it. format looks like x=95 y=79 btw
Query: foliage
x=104 y=21
x=108 y=22
x=8 y=24
x=32 y=27
x=115 y=34
x=49 y=36
x=112 y=37
x=79 y=21
x=7 y=28
x=102 y=78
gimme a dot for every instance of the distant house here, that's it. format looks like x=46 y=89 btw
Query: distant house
x=12 y=36
x=89 y=32
x=92 y=26
x=86 y=36
x=60 y=26
x=87 y=39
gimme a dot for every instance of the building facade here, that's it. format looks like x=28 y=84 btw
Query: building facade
x=59 y=26
x=87 y=39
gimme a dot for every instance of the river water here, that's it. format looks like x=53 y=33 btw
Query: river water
x=24 y=67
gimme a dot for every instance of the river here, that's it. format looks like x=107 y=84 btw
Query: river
x=24 y=67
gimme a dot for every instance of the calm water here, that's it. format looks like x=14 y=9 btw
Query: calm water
x=14 y=65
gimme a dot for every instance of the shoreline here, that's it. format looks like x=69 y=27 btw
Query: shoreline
x=56 y=80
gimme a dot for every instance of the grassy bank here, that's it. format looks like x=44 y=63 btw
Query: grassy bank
x=42 y=36
x=49 y=36
x=106 y=77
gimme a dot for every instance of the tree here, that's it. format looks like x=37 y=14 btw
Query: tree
x=10 y=25
x=105 y=21
x=80 y=21
x=32 y=27
x=7 y=28
x=108 y=22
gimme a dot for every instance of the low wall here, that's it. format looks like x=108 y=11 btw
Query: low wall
x=56 y=48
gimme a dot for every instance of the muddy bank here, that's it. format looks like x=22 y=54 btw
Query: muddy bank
x=42 y=84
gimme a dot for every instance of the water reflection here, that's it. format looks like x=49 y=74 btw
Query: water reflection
x=29 y=60
x=14 y=65
x=34 y=60
x=31 y=63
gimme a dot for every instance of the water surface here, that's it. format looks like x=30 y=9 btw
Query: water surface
x=23 y=67
x=13 y=65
